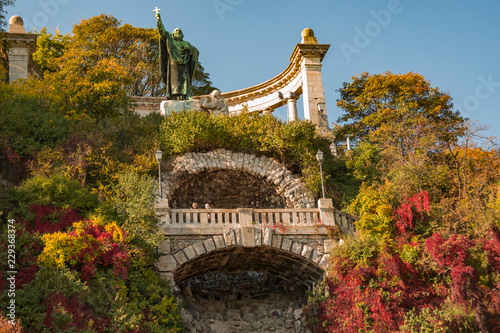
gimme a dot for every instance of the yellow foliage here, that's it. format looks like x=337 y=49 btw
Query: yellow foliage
x=116 y=231
x=375 y=211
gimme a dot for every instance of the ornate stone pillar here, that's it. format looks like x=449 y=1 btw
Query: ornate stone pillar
x=309 y=54
x=20 y=48
x=291 y=100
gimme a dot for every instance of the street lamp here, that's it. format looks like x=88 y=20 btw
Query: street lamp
x=319 y=157
x=159 y=155
x=321 y=107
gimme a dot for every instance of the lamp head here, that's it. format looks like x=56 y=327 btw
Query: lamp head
x=159 y=155
x=319 y=156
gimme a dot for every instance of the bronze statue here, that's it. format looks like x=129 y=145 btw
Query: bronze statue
x=178 y=62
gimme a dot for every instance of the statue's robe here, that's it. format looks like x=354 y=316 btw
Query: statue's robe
x=178 y=62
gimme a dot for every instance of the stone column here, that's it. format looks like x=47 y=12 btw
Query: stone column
x=310 y=54
x=291 y=100
x=20 y=48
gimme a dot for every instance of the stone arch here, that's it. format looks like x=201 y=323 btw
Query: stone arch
x=287 y=185
x=289 y=258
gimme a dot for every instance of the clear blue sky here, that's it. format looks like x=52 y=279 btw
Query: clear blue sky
x=454 y=44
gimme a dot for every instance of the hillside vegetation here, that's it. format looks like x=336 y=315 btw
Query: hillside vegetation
x=427 y=255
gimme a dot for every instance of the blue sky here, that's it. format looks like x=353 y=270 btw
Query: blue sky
x=453 y=44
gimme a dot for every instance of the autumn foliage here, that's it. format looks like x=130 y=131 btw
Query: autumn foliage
x=447 y=281
x=426 y=257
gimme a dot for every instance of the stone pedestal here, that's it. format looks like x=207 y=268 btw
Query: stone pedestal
x=326 y=209
x=20 y=48
x=168 y=107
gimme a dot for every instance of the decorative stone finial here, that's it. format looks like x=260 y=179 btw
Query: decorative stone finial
x=308 y=36
x=16 y=25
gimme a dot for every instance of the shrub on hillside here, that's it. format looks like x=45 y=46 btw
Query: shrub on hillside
x=407 y=283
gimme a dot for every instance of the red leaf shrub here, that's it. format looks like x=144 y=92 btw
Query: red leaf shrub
x=38 y=220
x=88 y=247
x=448 y=279
x=411 y=208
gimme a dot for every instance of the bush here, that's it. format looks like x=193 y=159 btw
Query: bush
x=447 y=282
x=53 y=190
x=88 y=247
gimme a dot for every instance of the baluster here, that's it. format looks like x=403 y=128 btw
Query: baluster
x=256 y=217
x=286 y=218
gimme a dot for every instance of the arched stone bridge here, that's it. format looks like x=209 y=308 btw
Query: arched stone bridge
x=292 y=244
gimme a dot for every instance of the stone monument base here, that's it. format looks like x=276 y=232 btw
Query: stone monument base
x=168 y=107
x=213 y=104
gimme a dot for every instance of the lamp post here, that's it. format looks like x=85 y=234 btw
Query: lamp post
x=159 y=155
x=319 y=157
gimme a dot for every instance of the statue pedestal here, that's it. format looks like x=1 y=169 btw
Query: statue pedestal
x=168 y=107
x=213 y=104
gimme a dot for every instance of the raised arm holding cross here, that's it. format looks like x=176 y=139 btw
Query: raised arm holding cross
x=156 y=10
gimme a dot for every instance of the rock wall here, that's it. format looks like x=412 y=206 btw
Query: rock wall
x=266 y=180
x=243 y=302
x=227 y=189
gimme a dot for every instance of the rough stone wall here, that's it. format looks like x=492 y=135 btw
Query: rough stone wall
x=266 y=172
x=227 y=189
x=243 y=302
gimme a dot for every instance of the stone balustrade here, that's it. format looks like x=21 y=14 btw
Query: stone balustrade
x=291 y=243
x=186 y=221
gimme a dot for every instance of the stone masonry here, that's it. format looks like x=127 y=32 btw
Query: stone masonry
x=289 y=186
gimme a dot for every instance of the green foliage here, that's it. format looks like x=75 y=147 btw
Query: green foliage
x=30 y=299
x=58 y=301
x=28 y=123
x=98 y=150
x=425 y=321
x=363 y=162
x=49 y=49
x=150 y=294
x=55 y=190
x=134 y=198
